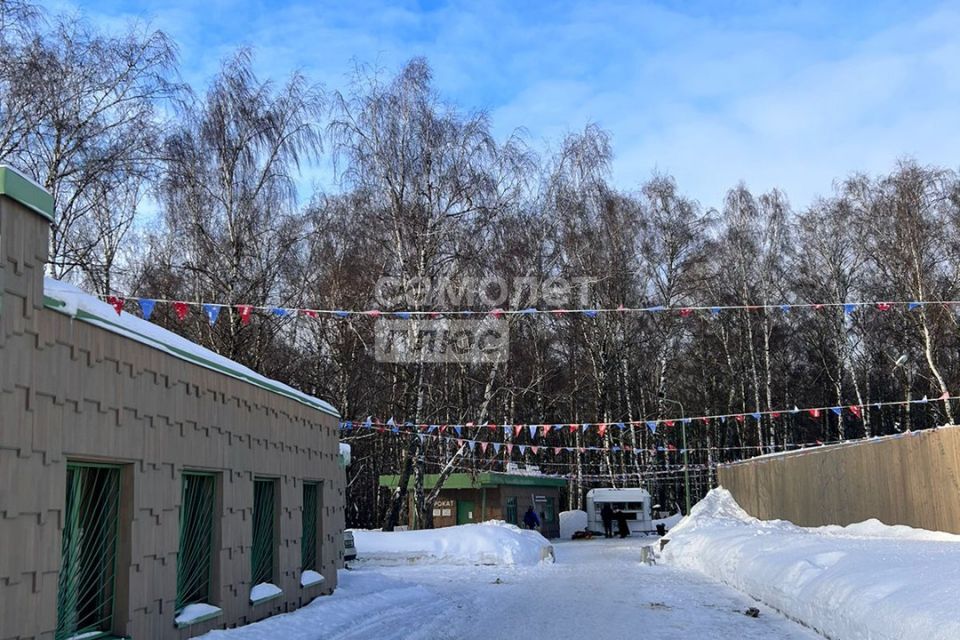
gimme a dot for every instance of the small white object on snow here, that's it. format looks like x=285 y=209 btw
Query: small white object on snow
x=309 y=578
x=489 y=543
x=193 y=612
x=571 y=522
x=263 y=591
x=859 y=582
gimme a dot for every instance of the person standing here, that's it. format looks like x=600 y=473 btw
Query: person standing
x=531 y=519
x=606 y=514
x=622 y=525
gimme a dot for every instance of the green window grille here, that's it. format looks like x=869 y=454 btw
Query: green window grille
x=261 y=558
x=195 y=556
x=512 y=510
x=308 y=543
x=85 y=588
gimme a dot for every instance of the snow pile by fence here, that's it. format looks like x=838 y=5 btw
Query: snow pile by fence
x=864 y=581
x=491 y=543
x=571 y=522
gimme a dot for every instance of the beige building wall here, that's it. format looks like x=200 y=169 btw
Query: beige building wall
x=70 y=391
x=911 y=479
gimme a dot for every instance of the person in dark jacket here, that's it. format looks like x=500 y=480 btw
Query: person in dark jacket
x=622 y=527
x=531 y=519
x=606 y=514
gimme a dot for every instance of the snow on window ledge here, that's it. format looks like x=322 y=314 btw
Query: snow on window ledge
x=310 y=578
x=198 y=612
x=263 y=592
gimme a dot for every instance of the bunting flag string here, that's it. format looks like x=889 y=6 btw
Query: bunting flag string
x=245 y=311
x=436 y=431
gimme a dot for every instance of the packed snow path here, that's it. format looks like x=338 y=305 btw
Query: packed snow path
x=596 y=589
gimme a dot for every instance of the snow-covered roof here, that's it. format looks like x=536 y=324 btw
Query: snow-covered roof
x=80 y=305
x=617 y=495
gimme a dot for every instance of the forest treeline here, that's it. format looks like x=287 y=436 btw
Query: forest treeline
x=163 y=190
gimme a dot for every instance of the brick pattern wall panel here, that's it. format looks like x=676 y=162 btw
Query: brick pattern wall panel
x=71 y=391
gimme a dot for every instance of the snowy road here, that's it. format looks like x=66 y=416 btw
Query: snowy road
x=597 y=589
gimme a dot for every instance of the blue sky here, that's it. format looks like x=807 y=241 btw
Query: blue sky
x=793 y=95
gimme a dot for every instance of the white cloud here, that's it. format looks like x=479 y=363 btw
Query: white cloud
x=792 y=96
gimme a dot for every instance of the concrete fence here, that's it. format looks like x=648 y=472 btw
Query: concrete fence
x=911 y=479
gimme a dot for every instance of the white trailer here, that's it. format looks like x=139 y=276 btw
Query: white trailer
x=634 y=502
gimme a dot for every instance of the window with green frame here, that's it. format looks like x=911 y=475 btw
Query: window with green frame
x=261 y=557
x=311 y=512
x=511 y=514
x=195 y=555
x=88 y=561
x=549 y=511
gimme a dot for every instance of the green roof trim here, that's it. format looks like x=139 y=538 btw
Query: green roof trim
x=58 y=305
x=16 y=186
x=486 y=480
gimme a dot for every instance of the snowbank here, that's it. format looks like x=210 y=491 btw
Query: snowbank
x=493 y=542
x=669 y=522
x=571 y=522
x=864 y=581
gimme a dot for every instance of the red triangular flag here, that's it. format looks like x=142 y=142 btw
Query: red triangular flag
x=855 y=410
x=491 y=426
x=945 y=395
x=116 y=303
x=601 y=429
x=244 y=310
x=497 y=313
x=814 y=413
x=443 y=428
x=310 y=313
x=573 y=428
x=517 y=428
x=534 y=449
x=180 y=308
x=483 y=447
x=740 y=418
x=373 y=313
x=668 y=423
x=685 y=312
x=509 y=449
x=775 y=415
x=883 y=306
x=556 y=451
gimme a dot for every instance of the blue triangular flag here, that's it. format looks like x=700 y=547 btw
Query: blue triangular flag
x=506 y=430
x=341 y=314
x=523 y=449
x=146 y=307
x=472 y=444
x=368 y=422
x=590 y=313
x=585 y=426
x=280 y=312
x=689 y=420
x=403 y=314
x=837 y=410
x=211 y=311
x=714 y=311
x=569 y=448
x=431 y=428
x=391 y=422
x=458 y=429
x=756 y=415
x=912 y=305
x=652 y=425
x=849 y=308
x=785 y=308
x=496 y=447
x=659 y=307
x=529 y=312
x=615 y=449
x=533 y=430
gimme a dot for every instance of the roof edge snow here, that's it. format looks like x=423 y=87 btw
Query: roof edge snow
x=76 y=303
